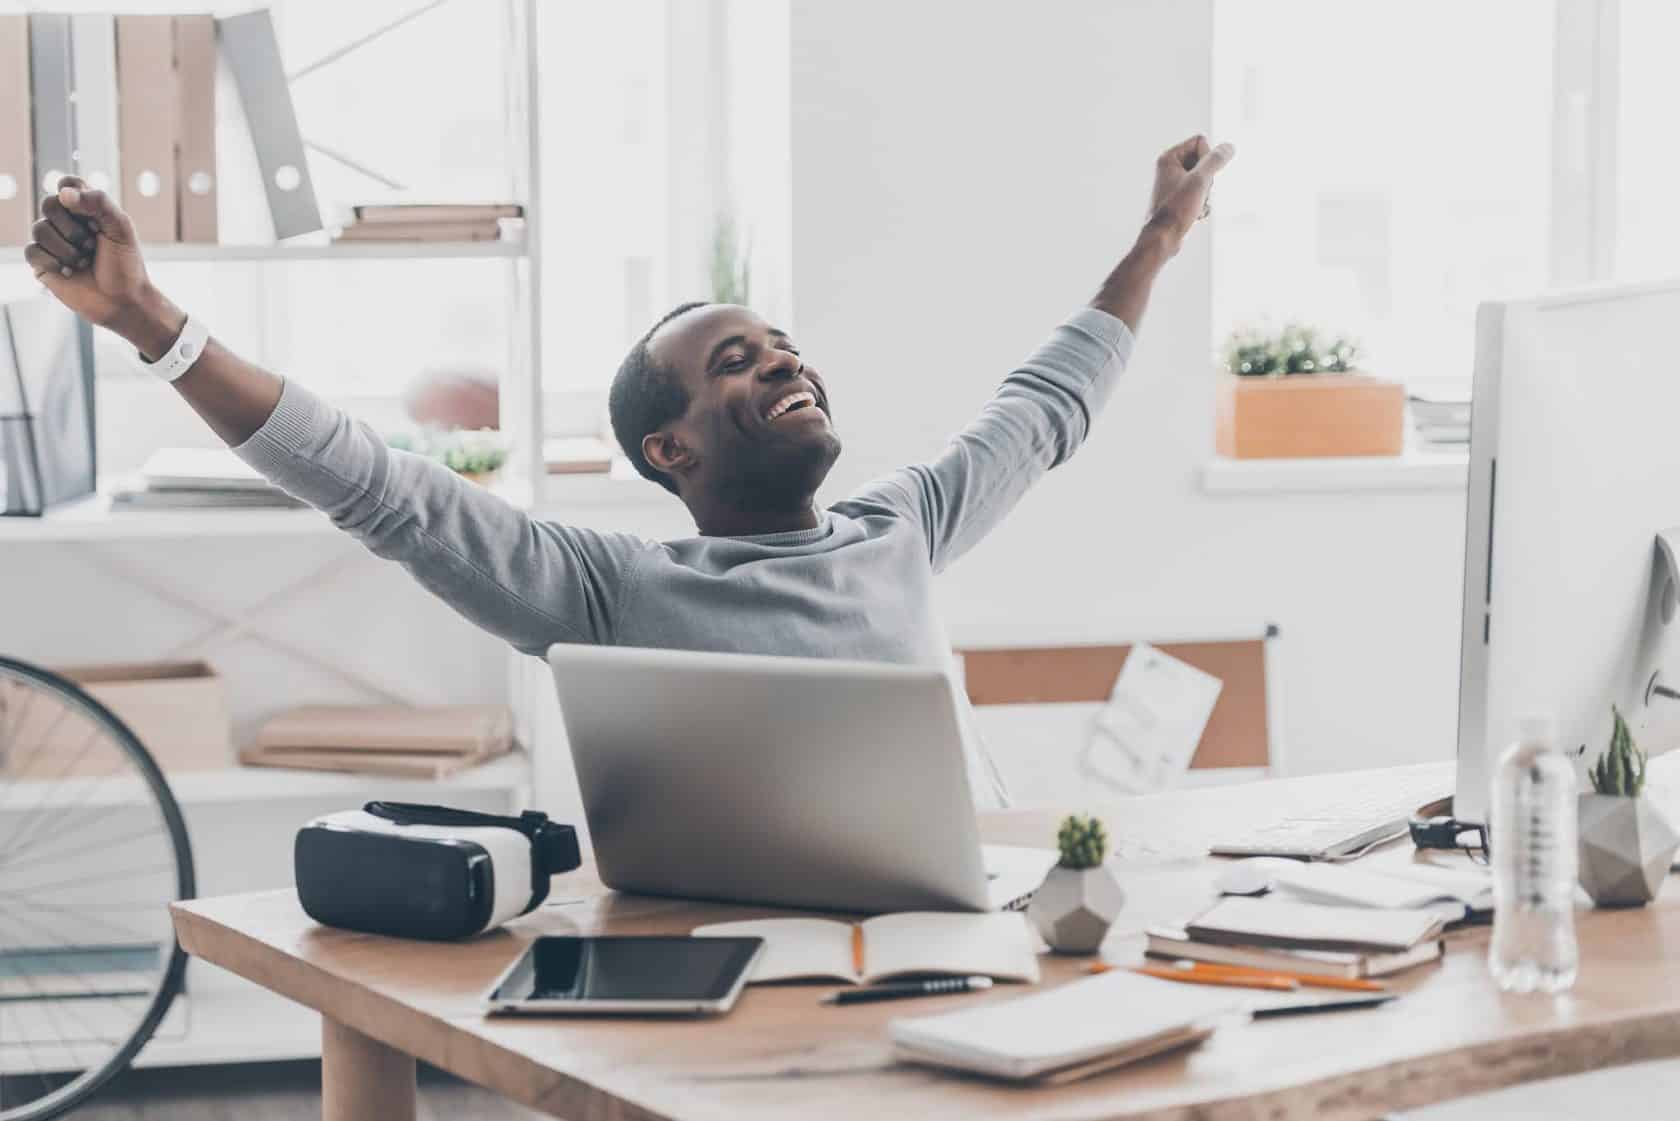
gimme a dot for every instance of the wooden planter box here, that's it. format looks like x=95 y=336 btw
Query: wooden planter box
x=1304 y=415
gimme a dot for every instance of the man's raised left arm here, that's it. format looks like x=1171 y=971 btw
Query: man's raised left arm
x=1042 y=411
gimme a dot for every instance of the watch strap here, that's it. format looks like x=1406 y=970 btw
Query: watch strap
x=182 y=353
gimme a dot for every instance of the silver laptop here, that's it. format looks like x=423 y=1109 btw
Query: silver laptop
x=791 y=781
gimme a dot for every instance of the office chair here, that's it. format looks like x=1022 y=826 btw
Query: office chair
x=92 y=851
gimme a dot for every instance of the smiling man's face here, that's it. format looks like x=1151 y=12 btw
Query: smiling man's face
x=758 y=424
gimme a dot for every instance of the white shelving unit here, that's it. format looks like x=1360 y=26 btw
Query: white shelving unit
x=240 y=821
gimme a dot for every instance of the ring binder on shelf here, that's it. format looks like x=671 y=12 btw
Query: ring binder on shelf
x=47 y=451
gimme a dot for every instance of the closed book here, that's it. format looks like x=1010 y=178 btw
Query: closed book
x=50 y=77
x=387 y=764
x=146 y=123
x=200 y=468
x=408 y=212
x=253 y=54
x=1241 y=921
x=1077 y=1028
x=577 y=455
x=195 y=151
x=17 y=160
x=93 y=54
x=1164 y=942
x=443 y=729
x=139 y=496
x=484 y=230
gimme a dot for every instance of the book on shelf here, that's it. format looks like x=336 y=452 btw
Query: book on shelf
x=388 y=764
x=415 y=213
x=909 y=944
x=401 y=741
x=137 y=495
x=1168 y=942
x=434 y=729
x=577 y=455
x=495 y=229
x=197 y=479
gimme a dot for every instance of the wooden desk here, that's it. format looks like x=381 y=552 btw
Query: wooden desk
x=780 y=1054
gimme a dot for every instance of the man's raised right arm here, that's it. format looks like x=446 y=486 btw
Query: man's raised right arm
x=531 y=583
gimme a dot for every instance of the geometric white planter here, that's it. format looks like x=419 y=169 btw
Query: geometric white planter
x=1075 y=907
x=1626 y=848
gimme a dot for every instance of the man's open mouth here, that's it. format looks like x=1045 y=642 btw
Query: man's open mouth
x=793 y=402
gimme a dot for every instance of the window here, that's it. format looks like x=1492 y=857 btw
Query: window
x=1393 y=169
x=1648 y=165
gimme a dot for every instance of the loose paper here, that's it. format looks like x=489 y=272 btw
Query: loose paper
x=1145 y=735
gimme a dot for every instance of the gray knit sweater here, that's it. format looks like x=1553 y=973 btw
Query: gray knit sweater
x=857 y=586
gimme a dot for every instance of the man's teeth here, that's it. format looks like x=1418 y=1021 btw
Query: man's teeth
x=789 y=402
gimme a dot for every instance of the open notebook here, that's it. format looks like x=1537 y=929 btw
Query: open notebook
x=913 y=943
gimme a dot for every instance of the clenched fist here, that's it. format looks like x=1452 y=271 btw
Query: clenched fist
x=1183 y=177
x=85 y=252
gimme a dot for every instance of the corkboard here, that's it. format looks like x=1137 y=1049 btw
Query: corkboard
x=1236 y=732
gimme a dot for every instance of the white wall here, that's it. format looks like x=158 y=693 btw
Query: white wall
x=963 y=177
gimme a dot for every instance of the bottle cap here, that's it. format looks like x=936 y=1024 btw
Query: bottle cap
x=1537 y=728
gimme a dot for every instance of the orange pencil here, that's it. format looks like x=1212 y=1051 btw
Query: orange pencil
x=1309 y=980
x=857 y=948
x=1273 y=982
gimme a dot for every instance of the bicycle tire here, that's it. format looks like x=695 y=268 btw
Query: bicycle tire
x=59 y=1102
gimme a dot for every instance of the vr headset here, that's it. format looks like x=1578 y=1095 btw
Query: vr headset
x=430 y=872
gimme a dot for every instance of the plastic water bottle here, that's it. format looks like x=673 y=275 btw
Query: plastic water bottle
x=1534 y=854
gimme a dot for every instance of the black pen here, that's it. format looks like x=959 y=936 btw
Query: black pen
x=898 y=990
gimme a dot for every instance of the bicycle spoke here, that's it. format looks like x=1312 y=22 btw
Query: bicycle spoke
x=117 y=874
x=11 y=858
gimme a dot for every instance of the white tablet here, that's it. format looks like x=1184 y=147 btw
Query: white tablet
x=658 y=975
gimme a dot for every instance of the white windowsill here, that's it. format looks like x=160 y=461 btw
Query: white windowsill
x=1412 y=472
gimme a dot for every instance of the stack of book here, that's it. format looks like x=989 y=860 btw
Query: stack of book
x=1442 y=420
x=403 y=742
x=197 y=479
x=464 y=221
x=1333 y=921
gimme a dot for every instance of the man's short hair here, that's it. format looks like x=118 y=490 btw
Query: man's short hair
x=645 y=397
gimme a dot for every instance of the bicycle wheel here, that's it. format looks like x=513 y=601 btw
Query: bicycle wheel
x=92 y=851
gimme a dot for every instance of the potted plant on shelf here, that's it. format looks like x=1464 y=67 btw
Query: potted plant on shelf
x=476 y=455
x=1626 y=845
x=1292 y=394
x=1081 y=897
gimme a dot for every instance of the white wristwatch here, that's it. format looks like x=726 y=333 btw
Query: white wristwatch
x=182 y=353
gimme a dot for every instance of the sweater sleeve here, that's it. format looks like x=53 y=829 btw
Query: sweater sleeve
x=532 y=583
x=1037 y=419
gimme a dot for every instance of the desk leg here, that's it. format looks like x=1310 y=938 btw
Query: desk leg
x=362 y=1079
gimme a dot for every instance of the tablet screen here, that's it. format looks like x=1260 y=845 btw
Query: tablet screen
x=627 y=968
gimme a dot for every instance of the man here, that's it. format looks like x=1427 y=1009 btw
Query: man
x=714 y=404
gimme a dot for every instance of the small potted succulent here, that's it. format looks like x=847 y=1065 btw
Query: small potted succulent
x=1626 y=845
x=1081 y=896
x=1292 y=393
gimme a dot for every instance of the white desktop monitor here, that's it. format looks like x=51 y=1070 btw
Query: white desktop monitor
x=1574 y=470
